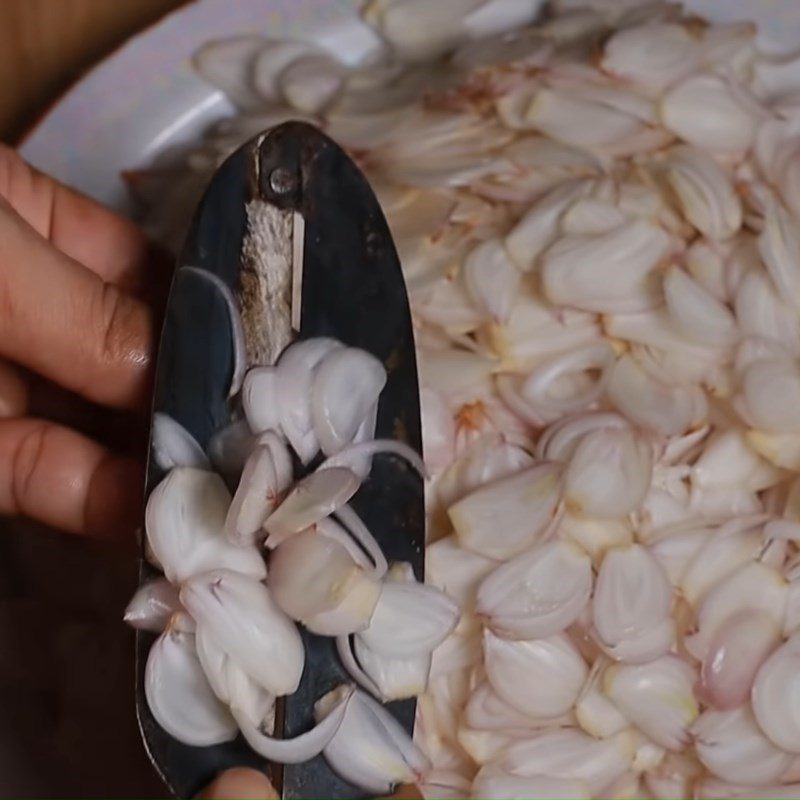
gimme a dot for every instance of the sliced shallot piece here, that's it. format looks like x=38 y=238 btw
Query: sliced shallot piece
x=505 y=517
x=227 y=64
x=241 y=618
x=776 y=696
x=656 y=697
x=540 y=678
x=350 y=456
x=737 y=650
x=313 y=498
x=394 y=678
x=311 y=573
x=174 y=446
x=312 y=82
x=609 y=474
x=185 y=519
x=370 y=748
x=256 y=497
x=180 y=697
x=228 y=450
x=486 y=710
x=306 y=745
x=259 y=399
x=152 y=606
x=631 y=605
x=731 y=746
x=357 y=530
x=771 y=395
x=778 y=245
x=538 y=593
x=543 y=391
x=559 y=441
x=595 y=712
x=345 y=388
x=410 y=619
x=611 y=273
x=571 y=755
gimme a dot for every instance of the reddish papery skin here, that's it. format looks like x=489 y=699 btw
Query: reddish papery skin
x=737 y=650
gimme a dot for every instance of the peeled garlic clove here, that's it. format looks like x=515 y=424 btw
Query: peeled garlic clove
x=395 y=678
x=493 y=784
x=410 y=619
x=652 y=55
x=731 y=746
x=539 y=226
x=725 y=126
x=174 y=446
x=310 y=573
x=541 y=678
x=737 y=650
x=665 y=409
x=761 y=312
x=185 y=519
x=656 y=697
x=632 y=602
x=179 y=696
x=778 y=245
x=307 y=745
x=597 y=715
x=345 y=388
x=438 y=430
x=729 y=547
x=771 y=394
x=775 y=696
x=727 y=459
x=352 y=613
x=259 y=399
x=609 y=474
x=697 y=314
x=491 y=279
x=754 y=587
x=243 y=620
x=705 y=192
x=371 y=749
x=571 y=755
x=152 y=606
x=255 y=498
x=487 y=711
x=610 y=273
x=313 y=498
x=537 y=594
x=506 y=517
x=780 y=449
x=456 y=571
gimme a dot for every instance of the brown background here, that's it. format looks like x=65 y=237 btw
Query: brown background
x=45 y=45
x=67 y=725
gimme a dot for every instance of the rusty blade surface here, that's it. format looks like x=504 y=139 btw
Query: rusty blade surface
x=353 y=290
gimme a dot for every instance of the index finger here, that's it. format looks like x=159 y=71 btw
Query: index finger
x=109 y=245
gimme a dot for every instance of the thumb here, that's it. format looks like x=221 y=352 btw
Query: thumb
x=239 y=783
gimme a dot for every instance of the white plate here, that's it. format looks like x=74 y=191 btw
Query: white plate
x=145 y=98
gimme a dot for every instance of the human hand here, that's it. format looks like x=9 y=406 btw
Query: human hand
x=249 y=784
x=79 y=289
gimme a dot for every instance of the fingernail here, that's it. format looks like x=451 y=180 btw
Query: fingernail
x=240 y=783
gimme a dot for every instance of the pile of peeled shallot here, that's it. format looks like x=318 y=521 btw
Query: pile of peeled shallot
x=598 y=215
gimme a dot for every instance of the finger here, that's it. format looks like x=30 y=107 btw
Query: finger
x=109 y=245
x=61 y=478
x=61 y=320
x=14 y=391
x=240 y=783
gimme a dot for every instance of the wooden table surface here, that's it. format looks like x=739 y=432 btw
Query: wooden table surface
x=45 y=45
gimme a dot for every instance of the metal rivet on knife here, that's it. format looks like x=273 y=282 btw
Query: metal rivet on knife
x=282 y=181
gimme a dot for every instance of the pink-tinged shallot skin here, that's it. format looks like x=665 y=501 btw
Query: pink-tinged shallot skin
x=151 y=608
x=737 y=650
x=775 y=696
